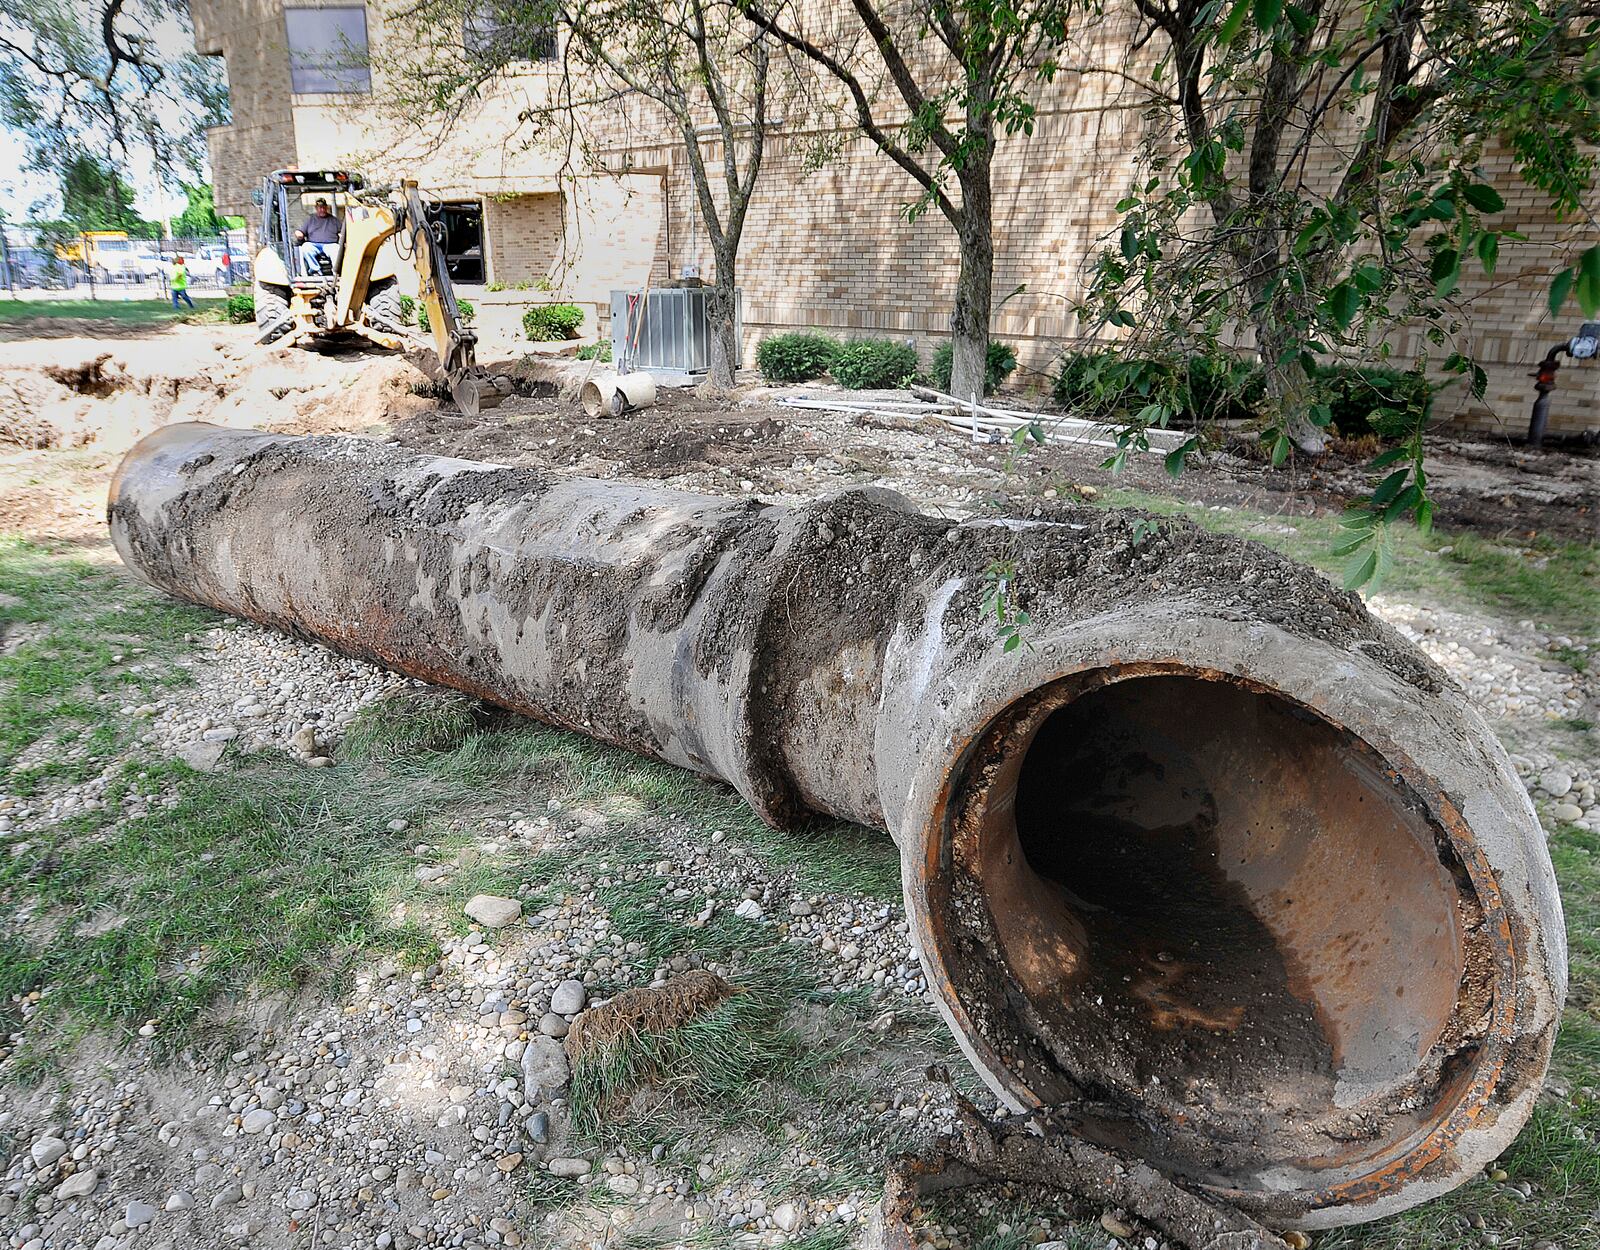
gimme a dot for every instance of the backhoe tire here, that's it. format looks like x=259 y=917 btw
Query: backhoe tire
x=272 y=311
x=383 y=305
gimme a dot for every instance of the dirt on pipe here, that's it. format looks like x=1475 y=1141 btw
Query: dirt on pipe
x=1212 y=861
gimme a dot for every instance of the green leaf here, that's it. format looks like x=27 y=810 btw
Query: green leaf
x=1176 y=458
x=1390 y=486
x=1267 y=13
x=1560 y=288
x=1483 y=197
x=1489 y=252
x=1445 y=271
x=1344 y=301
x=1425 y=515
x=1589 y=282
x=1299 y=19
x=1234 y=22
x=1406 y=500
x=1393 y=456
x=1122 y=317
x=1361 y=569
x=1280 y=450
x=1129 y=242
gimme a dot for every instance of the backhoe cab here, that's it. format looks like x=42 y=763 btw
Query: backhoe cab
x=350 y=288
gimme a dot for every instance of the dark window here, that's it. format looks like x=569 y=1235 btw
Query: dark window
x=328 y=50
x=501 y=33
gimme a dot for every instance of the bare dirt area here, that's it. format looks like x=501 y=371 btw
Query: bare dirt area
x=720 y=445
x=291 y=947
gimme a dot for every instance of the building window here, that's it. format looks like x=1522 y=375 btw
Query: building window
x=501 y=32
x=328 y=50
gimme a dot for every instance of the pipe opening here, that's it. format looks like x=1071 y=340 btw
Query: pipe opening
x=1216 y=924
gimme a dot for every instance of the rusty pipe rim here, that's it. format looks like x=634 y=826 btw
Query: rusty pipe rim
x=1424 y=1155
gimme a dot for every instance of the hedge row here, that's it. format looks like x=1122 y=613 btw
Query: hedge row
x=1387 y=402
x=866 y=363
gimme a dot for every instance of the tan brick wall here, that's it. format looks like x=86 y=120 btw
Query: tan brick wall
x=523 y=236
x=828 y=247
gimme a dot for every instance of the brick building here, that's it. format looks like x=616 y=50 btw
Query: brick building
x=306 y=88
x=826 y=245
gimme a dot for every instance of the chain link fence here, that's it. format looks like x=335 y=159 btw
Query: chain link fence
x=121 y=269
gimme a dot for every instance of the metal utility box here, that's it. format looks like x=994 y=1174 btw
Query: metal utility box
x=672 y=329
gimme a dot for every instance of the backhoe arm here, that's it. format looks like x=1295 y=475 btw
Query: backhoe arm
x=471 y=386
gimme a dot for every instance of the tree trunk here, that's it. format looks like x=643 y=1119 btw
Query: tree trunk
x=1289 y=390
x=721 y=309
x=969 y=326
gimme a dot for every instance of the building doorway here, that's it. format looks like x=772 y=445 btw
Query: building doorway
x=461 y=237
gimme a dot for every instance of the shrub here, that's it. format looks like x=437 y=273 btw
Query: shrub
x=550 y=323
x=1203 y=388
x=240 y=308
x=465 y=312
x=873 y=364
x=1390 y=403
x=408 y=309
x=596 y=351
x=997 y=366
x=1223 y=388
x=796 y=357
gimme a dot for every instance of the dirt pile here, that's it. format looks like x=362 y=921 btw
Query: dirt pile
x=76 y=392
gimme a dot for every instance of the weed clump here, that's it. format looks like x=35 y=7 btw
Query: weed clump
x=410 y=722
x=645 y=1009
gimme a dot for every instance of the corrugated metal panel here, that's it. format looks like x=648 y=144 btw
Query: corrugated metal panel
x=674 y=338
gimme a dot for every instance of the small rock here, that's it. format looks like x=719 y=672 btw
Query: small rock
x=569 y=998
x=787 y=1216
x=799 y=908
x=1297 y=1240
x=544 y=1068
x=300 y=1200
x=492 y=911
x=1568 y=812
x=181 y=1200
x=47 y=1150
x=570 y=1168
x=509 y=1163
x=1556 y=782
x=625 y=1185
x=538 y=1127
x=203 y=757
x=304 y=740
x=78 y=1185
x=258 y=1121
x=228 y=1197
x=552 y=1025
x=749 y=910
x=1115 y=1227
x=138 y=1213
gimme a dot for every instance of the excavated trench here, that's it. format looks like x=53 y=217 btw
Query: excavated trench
x=1218 y=927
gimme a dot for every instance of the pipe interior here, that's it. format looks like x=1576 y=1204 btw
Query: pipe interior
x=1226 y=929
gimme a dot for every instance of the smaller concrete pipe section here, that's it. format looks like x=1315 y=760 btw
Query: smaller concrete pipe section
x=1213 y=858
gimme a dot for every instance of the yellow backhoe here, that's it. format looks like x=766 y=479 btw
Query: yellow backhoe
x=350 y=288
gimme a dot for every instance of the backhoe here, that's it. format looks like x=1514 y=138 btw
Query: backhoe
x=352 y=288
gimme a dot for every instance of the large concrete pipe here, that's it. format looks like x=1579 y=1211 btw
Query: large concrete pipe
x=1213 y=856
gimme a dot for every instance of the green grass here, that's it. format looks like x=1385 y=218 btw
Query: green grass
x=132 y=311
x=87 y=627
x=1555 y=585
